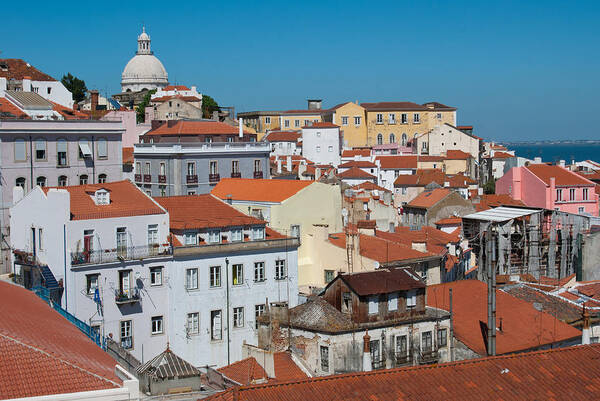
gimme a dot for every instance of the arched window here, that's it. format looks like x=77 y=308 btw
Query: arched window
x=83 y=179
x=41 y=181
x=392 y=138
x=20 y=182
x=379 y=139
x=101 y=178
x=404 y=139
x=62 y=181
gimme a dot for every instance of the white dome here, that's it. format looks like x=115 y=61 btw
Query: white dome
x=144 y=70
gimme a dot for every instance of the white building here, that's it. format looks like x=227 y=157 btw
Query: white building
x=446 y=137
x=284 y=143
x=19 y=75
x=144 y=71
x=390 y=167
x=321 y=143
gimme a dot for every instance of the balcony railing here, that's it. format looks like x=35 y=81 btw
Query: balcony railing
x=147 y=178
x=24 y=258
x=138 y=178
x=162 y=179
x=402 y=359
x=258 y=174
x=119 y=254
x=236 y=175
x=428 y=355
x=191 y=179
x=127 y=297
x=214 y=178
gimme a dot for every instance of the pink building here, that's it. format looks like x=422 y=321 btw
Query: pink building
x=550 y=187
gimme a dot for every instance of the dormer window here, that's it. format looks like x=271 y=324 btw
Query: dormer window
x=214 y=236
x=258 y=233
x=236 y=234
x=102 y=197
x=190 y=238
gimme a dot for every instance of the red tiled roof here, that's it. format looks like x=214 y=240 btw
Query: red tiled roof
x=355 y=172
x=591 y=290
x=67 y=113
x=408 y=106
x=42 y=353
x=125 y=200
x=523 y=327
x=438 y=105
x=182 y=127
x=381 y=281
x=397 y=162
x=321 y=125
x=379 y=249
x=18 y=69
x=190 y=99
x=175 y=87
x=434 y=239
x=358 y=163
x=128 y=155
x=285 y=368
x=258 y=190
x=457 y=155
x=370 y=186
x=203 y=211
x=283 y=136
x=464 y=127
x=502 y=155
x=449 y=221
x=9 y=110
x=562 y=176
x=356 y=152
x=569 y=373
x=488 y=201
x=245 y=371
x=429 y=198
x=590 y=175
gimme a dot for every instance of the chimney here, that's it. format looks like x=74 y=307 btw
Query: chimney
x=537 y=160
x=367 y=352
x=288 y=163
x=301 y=169
x=561 y=163
x=314 y=104
x=241 y=124
x=215 y=115
x=278 y=165
x=94 y=99
x=193 y=89
x=2 y=86
x=317 y=173
x=585 y=335
x=26 y=84
x=446 y=184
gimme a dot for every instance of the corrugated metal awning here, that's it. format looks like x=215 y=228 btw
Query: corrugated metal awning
x=501 y=214
x=85 y=150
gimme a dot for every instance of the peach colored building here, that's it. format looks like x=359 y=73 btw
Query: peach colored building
x=550 y=187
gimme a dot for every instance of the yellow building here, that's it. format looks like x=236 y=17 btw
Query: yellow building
x=351 y=119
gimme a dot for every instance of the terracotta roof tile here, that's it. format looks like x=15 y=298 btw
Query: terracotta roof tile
x=355 y=172
x=68 y=113
x=175 y=87
x=321 y=125
x=17 y=69
x=245 y=371
x=358 y=163
x=128 y=155
x=562 y=176
x=356 y=152
x=457 y=155
x=258 y=190
x=285 y=367
x=488 y=201
x=125 y=200
x=183 y=127
x=408 y=106
x=422 y=178
x=190 y=99
x=379 y=249
x=370 y=186
x=397 y=162
x=502 y=155
x=449 y=221
x=427 y=199
x=382 y=281
x=560 y=309
x=283 y=136
x=9 y=110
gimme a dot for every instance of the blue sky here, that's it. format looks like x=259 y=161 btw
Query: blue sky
x=516 y=70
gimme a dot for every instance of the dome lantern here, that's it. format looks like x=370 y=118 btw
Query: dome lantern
x=144 y=43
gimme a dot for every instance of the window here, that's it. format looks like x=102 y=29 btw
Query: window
x=585 y=194
x=83 y=179
x=401 y=345
x=267 y=120
x=426 y=344
x=373 y=305
x=296 y=123
x=193 y=323
x=102 y=148
x=208 y=139
x=91 y=283
x=594 y=340
x=392 y=138
x=214 y=236
x=258 y=233
x=84 y=148
x=404 y=118
x=356 y=120
x=324 y=351
x=442 y=337
x=41 y=181
x=147 y=168
x=157 y=325
x=215 y=276
x=280 y=272
x=257 y=168
x=558 y=195
x=102 y=179
x=156 y=275
x=235 y=167
x=295 y=231
x=318 y=148
x=379 y=139
x=62 y=181
x=190 y=238
x=379 y=118
x=102 y=197
x=259 y=271
x=416 y=118
x=237 y=274
x=236 y=234
x=213 y=167
x=40 y=149
x=49 y=90
x=375 y=353
x=403 y=190
x=424 y=147
x=439 y=116
x=162 y=168
x=138 y=168
x=393 y=302
x=286 y=123
x=581 y=210
x=191 y=168
x=411 y=299
x=392 y=118
x=259 y=310
x=215 y=325
x=344 y=120
x=346 y=302
x=572 y=194
x=20 y=182
x=329 y=275
x=121 y=240
x=191 y=279
x=306 y=123
x=238 y=317
x=330 y=149
x=20 y=150
x=126 y=334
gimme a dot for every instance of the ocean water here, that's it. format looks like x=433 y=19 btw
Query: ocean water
x=556 y=152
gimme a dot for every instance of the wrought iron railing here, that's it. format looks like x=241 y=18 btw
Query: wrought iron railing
x=236 y=175
x=138 y=177
x=428 y=355
x=402 y=358
x=126 y=297
x=162 y=179
x=119 y=254
x=147 y=178
x=214 y=178
x=191 y=179
x=258 y=174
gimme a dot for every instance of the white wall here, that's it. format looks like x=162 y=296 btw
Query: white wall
x=326 y=139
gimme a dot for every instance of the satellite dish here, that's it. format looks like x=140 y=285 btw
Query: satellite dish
x=376 y=264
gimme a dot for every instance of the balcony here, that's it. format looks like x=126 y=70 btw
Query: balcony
x=236 y=175
x=191 y=179
x=162 y=179
x=428 y=356
x=402 y=359
x=119 y=254
x=147 y=178
x=232 y=247
x=127 y=297
x=214 y=178
x=258 y=174
x=138 y=178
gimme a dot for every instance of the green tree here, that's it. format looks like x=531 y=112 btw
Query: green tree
x=74 y=85
x=490 y=186
x=140 y=111
x=208 y=106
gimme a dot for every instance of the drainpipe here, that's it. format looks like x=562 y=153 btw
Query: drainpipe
x=93 y=162
x=227 y=304
x=30 y=162
x=65 y=264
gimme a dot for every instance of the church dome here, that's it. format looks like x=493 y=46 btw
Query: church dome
x=144 y=70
